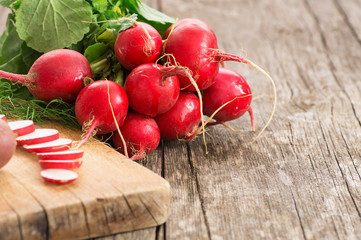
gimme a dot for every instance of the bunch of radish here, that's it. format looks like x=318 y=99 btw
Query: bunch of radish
x=172 y=83
x=54 y=153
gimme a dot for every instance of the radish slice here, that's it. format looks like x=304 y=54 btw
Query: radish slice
x=57 y=145
x=59 y=176
x=38 y=136
x=63 y=155
x=60 y=164
x=22 y=127
x=2 y=117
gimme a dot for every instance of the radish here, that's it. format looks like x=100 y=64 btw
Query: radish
x=7 y=143
x=152 y=89
x=3 y=117
x=60 y=144
x=55 y=74
x=60 y=164
x=138 y=44
x=200 y=53
x=22 y=127
x=59 y=176
x=102 y=105
x=229 y=86
x=182 y=119
x=38 y=136
x=61 y=155
x=141 y=134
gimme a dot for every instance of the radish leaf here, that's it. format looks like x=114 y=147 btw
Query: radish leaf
x=46 y=25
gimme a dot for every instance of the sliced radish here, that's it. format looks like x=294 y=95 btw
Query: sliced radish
x=57 y=145
x=60 y=164
x=59 y=176
x=22 y=127
x=63 y=155
x=38 y=136
x=3 y=117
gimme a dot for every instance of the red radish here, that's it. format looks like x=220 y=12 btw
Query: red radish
x=60 y=144
x=229 y=86
x=60 y=164
x=182 y=119
x=141 y=133
x=201 y=55
x=22 y=127
x=152 y=89
x=2 y=117
x=138 y=44
x=38 y=136
x=103 y=104
x=62 y=155
x=59 y=176
x=55 y=74
x=7 y=143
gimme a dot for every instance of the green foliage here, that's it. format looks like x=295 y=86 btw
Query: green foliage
x=52 y=24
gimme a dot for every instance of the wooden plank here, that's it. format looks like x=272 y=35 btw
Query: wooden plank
x=113 y=194
x=301 y=179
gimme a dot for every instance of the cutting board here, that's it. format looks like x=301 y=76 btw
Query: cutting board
x=112 y=194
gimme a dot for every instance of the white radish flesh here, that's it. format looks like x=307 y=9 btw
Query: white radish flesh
x=59 y=176
x=3 y=117
x=22 y=127
x=60 y=164
x=38 y=136
x=60 y=144
x=63 y=155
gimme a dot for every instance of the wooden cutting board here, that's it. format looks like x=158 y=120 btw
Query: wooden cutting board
x=112 y=194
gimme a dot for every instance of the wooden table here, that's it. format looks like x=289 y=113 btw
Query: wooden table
x=302 y=178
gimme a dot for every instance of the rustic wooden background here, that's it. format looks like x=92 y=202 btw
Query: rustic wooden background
x=302 y=178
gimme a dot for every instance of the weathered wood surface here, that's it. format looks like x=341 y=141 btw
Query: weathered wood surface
x=302 y=178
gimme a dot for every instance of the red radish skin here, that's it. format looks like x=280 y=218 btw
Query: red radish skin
x=138 y=44
x=7 y=143
x=60 y=144
x=3 y=117
x=59 y=176
x=229 y=86
x=201 y=55
x=61 y=155
x=152 y=89
x=38 y=136
x=22 y=127
x=55 y=74
x=182 y=119
x=141 y=134
x=60 y=164
x=103 y=104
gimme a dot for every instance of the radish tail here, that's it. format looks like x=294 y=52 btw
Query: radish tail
x=220 y=56
x=139 y=155
x=250 y=111
x=88 y=133
x=19 y=78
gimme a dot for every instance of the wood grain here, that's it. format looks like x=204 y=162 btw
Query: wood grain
x=113 y=194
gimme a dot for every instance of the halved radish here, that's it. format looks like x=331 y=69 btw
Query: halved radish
x=63 y=155
x=38 y=136
x=59 y=176
x=60 y=164
x=3 y=117
x=57 y=145
x=22 y=127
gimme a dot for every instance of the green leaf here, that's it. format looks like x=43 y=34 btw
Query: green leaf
x=100 y=5
x=46 y=25
x=158 y=20
x=7 y=3
x=29 y=55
